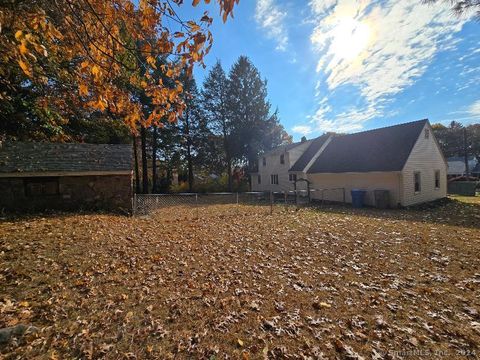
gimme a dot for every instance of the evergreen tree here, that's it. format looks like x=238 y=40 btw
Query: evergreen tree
x=214 y=100
x=190 y=127
x=255 y=129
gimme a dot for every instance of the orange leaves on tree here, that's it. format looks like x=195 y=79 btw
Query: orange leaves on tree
x=107 y=49
x=25 y=68
x=83 y=90
x=95 y=71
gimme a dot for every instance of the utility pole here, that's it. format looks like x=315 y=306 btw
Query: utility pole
x=465 y=150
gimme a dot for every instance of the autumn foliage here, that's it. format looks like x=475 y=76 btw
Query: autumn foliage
x=99 y=54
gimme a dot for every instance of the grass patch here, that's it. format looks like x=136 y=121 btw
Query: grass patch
x=331 y=282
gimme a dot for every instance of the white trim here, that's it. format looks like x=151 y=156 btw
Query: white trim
x=435 y=171
x=415 y=182
x=317 y=154
x=64 y=173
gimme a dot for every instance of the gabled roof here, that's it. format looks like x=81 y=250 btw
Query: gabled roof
x=20 y=157
x=285 y=147
x=384 y=149
x=308 y=155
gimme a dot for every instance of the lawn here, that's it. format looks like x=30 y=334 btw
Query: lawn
x=240 y=283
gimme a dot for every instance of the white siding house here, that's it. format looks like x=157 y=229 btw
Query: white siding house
x=427 y=167
x=273 y=166
x=404 y=159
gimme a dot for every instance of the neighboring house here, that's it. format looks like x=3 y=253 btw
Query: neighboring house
x=476 y=170
x=404 y=159
x=38 y=176
x=456 y=166
x=306 y=160
x=273 y=166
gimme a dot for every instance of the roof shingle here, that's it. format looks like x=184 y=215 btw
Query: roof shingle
x=305 y=158
x=16 y=157
x=385 y=149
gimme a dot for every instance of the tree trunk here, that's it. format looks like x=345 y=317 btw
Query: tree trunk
x=154 y=160
x=143 y=136
x=190 y=169
x=228 y=157
x=137 y=172
x=189 y=151
x=229 y=173
x=169 y=177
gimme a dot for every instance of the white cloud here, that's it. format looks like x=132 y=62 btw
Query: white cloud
x=467 y=115
x=272 y=20
x=474 y=110
x=380 y=48
x=302 y=129
x=347 y=121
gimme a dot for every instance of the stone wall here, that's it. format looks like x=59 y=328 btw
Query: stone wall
x=105 y=192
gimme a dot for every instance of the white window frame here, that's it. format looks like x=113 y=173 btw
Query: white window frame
x=292 y=177
x=437 y=172
x=419 y=182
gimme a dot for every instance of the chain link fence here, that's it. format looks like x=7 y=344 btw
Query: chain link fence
x=201 y=205
x=198 y=205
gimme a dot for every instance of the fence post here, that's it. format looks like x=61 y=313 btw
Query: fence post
x=196 y=204
x=271 y=202
x=134 y=204
x=237 y=203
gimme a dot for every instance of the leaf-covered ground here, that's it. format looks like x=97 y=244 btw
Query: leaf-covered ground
x=326 y=283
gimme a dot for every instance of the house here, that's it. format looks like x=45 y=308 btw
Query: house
x=273 y=166
x=476 y=170
x=38 y=176
x=456 y=166
x=404 y=159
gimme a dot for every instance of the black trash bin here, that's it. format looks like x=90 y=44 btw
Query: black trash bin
x=382 y=198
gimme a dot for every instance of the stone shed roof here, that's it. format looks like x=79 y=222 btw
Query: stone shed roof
x=23 y=157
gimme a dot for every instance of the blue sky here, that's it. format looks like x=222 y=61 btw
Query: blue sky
x=351 y=65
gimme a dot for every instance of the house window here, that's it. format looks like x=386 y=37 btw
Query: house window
x=274 y=179
x=259 y=178
x=264 y=161
x=292 y=177
x=437 y=179
x=282 y=159
x=41 y=186
x=427 y=133
x=417 y=180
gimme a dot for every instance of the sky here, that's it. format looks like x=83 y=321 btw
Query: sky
x=353 y=65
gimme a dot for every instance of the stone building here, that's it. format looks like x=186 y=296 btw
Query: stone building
x=42 y=176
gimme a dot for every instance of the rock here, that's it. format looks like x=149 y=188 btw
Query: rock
x=320 y=305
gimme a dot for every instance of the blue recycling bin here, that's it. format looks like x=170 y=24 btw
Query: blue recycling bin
x=358 y=198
